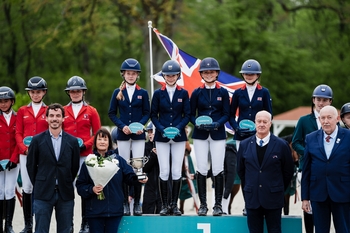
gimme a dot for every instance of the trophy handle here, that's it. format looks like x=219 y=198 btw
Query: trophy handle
x=145 y=159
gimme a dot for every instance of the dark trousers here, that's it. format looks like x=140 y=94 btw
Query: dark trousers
x=256 y=217
x=322 y=212
x=63 y=212
x=104 y=224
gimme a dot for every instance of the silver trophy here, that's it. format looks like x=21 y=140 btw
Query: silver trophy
x=138 y=164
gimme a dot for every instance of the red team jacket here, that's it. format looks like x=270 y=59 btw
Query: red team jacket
x=8 y=148
x=85 y=126
x=28 y=125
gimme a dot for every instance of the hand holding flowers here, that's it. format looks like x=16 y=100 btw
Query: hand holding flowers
x=101 y=170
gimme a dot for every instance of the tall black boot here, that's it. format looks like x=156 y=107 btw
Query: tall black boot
x=84 y=228
x=27 y=213
x=126 y=200
x=219 y=189
x=137 y=196
x=163 y=188
x=1 y=215
x=174 y=197
x=10 y=209
x=202 y=194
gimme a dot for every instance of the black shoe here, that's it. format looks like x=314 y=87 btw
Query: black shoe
x=137 y=209
x=84 y=228
x=202 y=211
x=244 y=212
x=217 y=210
x=165 y=211
x=126 y=209
x=175 y=210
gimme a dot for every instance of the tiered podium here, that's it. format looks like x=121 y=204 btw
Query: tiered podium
x=196 y=224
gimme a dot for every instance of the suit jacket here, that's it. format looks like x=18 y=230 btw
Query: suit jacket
x=124 y=112
x=216 y=106
x=44 y=169
x=306 y=124
x=261 y=100
x=264 y=185
x=324 y=177
x=170 y=114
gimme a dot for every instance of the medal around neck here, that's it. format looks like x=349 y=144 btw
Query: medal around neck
x=27 y=140
x=203 y=120
x=134 y=127
x=171 y=132
x=247 y=124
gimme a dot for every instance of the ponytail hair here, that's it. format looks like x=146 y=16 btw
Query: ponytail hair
x=120 y=95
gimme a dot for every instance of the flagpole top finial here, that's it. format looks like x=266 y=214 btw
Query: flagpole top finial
x=149 y=24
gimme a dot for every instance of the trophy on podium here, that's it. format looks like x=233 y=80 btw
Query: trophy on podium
x=138 y=164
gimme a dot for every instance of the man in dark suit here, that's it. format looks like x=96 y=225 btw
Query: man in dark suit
x=52 y=164
x=265 y=166
x=326 y=174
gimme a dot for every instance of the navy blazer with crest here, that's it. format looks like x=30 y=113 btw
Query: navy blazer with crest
x=265 y=185
x=170 y=114
x=216 y=105
x=123 y=112
x=44 y=169
x=261 y=100
x=324 y=177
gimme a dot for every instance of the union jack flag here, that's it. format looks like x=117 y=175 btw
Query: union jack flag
x=189 y=68
x=189 y=71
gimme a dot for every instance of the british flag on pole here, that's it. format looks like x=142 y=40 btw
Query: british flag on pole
x=189 y=68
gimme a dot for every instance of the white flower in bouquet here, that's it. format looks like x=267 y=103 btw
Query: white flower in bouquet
x=101 y=170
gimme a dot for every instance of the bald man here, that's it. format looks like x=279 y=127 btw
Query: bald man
x=265 y=166
x=325 y=184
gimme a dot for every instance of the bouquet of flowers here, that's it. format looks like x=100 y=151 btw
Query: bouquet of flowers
x=101 y=170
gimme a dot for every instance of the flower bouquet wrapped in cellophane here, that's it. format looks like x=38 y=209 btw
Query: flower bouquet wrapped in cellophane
x=101 y=170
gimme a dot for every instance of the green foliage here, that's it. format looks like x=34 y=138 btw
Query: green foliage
x=21 y=99
x=299 y=44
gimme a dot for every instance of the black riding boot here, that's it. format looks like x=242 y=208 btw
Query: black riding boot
x=1 y=214
x=137 y=196
x=10 y=209
x=219 y=189
x=202 y=194
x=126 y=200
x=27 y=213
x=84 y=228
x=174 y=197
x=163 y=188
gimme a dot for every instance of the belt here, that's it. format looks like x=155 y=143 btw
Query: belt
x=56 y=188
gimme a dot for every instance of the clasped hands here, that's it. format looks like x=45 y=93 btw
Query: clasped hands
x=209 y=127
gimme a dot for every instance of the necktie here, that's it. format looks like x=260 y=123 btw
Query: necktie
x=327 y=138
x=261 y=142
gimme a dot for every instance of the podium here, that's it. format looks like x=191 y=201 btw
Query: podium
x=196 y=224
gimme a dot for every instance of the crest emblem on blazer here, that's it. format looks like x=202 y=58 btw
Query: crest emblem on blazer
x=219 y=98
x=179 y=100
x=139 y=97
x=86 y=116
x=259 y=99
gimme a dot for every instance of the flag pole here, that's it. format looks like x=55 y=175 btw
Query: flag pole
x=151 y=63
x=151 y=55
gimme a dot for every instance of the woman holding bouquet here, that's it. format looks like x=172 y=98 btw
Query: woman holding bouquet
x=104 y=214
x=130 y=104
x=170 y=109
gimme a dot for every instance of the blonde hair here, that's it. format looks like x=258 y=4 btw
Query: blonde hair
x=120 y=95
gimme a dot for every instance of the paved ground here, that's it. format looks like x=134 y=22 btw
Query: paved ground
x=237 y=206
